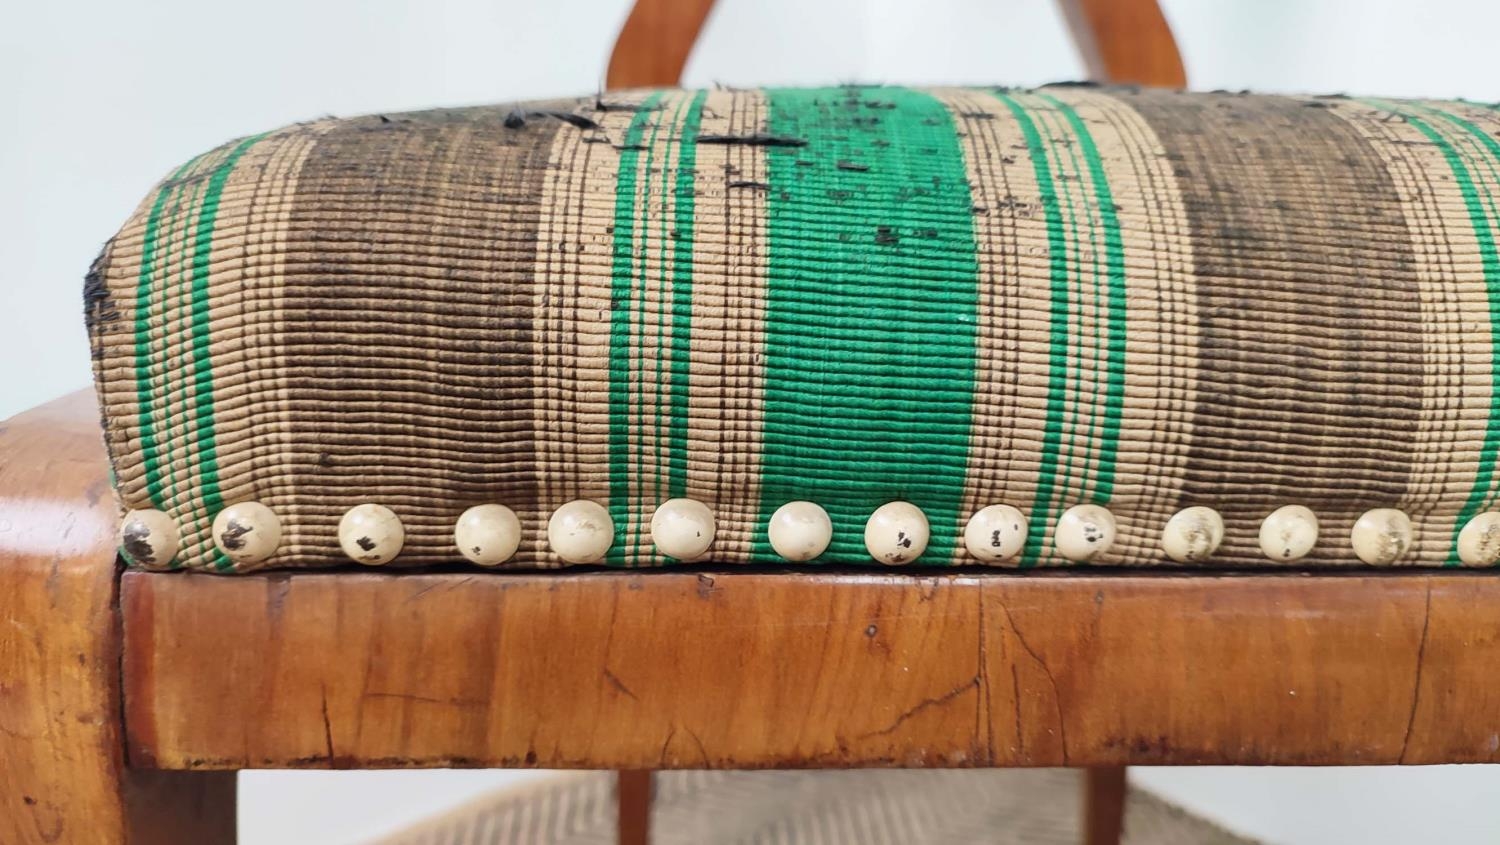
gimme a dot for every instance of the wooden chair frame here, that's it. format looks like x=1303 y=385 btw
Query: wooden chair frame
x=129 y=699
x=1121 y=41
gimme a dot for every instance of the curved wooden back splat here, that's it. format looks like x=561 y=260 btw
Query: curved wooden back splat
x=1122 y=41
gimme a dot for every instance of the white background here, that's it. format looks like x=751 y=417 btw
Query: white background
x=99 y=98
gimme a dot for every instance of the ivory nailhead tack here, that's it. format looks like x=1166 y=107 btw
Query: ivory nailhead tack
x=1084 y=532
x=1289 y=533
x=581 y=531
x=247 y=532
x=371 y=534
x=1381 y=536
x=487 y=535
x=1193 y=534
x=995 y=533
x=149 y=537
x=1479 y=540
x=683 y=528
x=897 y=533
x=800 y=531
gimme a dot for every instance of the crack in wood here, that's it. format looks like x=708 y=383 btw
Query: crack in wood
x=1062 y=729
x=984 y=713
x=614 y=681
x=327 y=727
x=923 y=705
x=1416 y=687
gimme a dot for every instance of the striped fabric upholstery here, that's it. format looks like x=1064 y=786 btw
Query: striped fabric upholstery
x=954 y=297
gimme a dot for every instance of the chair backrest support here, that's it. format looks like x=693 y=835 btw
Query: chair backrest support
x=1121 y=41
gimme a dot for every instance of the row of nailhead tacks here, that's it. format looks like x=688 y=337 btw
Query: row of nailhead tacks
x=582 y=532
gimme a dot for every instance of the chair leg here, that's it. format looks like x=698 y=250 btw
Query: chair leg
x=1103 y=805
x=633 y=791
x=63 y=772
x=179 y=807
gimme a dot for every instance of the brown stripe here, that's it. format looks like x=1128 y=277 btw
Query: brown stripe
x=1002 y=467
x=1295 y=225
x=409 y=299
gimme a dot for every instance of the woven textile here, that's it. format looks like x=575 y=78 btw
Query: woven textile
x=943 y=807
x=953 y=297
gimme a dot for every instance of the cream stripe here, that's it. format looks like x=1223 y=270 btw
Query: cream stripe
x=1160 y=325
x=728 y=343
x=572 y=292
x=1011 y=353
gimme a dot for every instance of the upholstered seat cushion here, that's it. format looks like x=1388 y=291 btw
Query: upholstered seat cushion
x=955 y=298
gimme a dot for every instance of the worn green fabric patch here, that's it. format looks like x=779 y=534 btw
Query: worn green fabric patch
x=872 y=275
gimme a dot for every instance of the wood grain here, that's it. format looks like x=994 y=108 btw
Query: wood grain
x=1121 y=41
x=744 y=670
x=1125 y=42
x=62 y=772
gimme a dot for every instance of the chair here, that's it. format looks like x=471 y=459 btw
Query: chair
x=130 y=698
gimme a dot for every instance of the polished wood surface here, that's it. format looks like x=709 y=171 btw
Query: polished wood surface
x=62 y=771
x=649 y=670
x=1121 y=41
x=1125 y=42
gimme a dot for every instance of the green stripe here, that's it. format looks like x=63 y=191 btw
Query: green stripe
x=191 y=347
x=170 y=272
x=622 y=284
x=1057 y=334
x=1483 y=234
x=175 y=345
x=202 y=367
x=1114 y=255
x=151 y=449
x=1074 y=454
x=870 y=313
x=684 y=206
